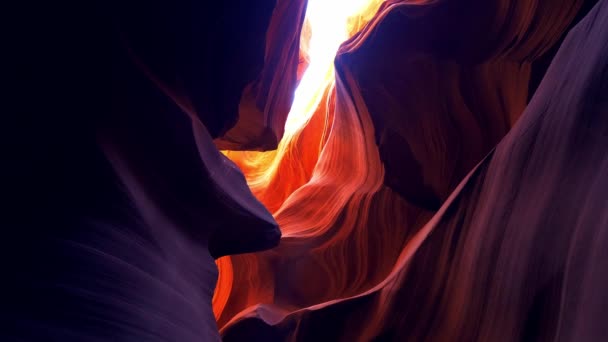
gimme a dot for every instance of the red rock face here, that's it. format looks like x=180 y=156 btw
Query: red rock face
x=440 y=191
x=435 y=109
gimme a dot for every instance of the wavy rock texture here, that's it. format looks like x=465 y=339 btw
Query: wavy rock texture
x=427 y=198
x=118 y=199
x=514 y=252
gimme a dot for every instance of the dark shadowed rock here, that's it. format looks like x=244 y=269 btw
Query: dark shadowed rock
x=453 y=81
x=119 y=200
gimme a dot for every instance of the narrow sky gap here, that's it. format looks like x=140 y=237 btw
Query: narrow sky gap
x=327 y=22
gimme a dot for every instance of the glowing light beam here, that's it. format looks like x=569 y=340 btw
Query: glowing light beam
x=327 y=25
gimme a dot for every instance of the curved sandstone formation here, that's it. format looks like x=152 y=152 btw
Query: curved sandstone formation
x=119 y=199
x=514 y=252
x=439 y=190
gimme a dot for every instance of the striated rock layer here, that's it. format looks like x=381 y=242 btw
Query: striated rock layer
x=515 y=250
x=423 y=196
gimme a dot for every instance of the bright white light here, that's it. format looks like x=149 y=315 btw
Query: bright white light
x=327 y=20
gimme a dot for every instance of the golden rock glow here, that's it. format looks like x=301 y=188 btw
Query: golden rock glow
x=274 y=176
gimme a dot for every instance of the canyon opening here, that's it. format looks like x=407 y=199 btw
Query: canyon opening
x=293 y=170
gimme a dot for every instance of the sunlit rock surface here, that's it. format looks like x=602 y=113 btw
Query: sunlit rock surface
x=515 y=251
x=436 y=190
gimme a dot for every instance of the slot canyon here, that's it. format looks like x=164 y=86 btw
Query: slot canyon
x=306 y=170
